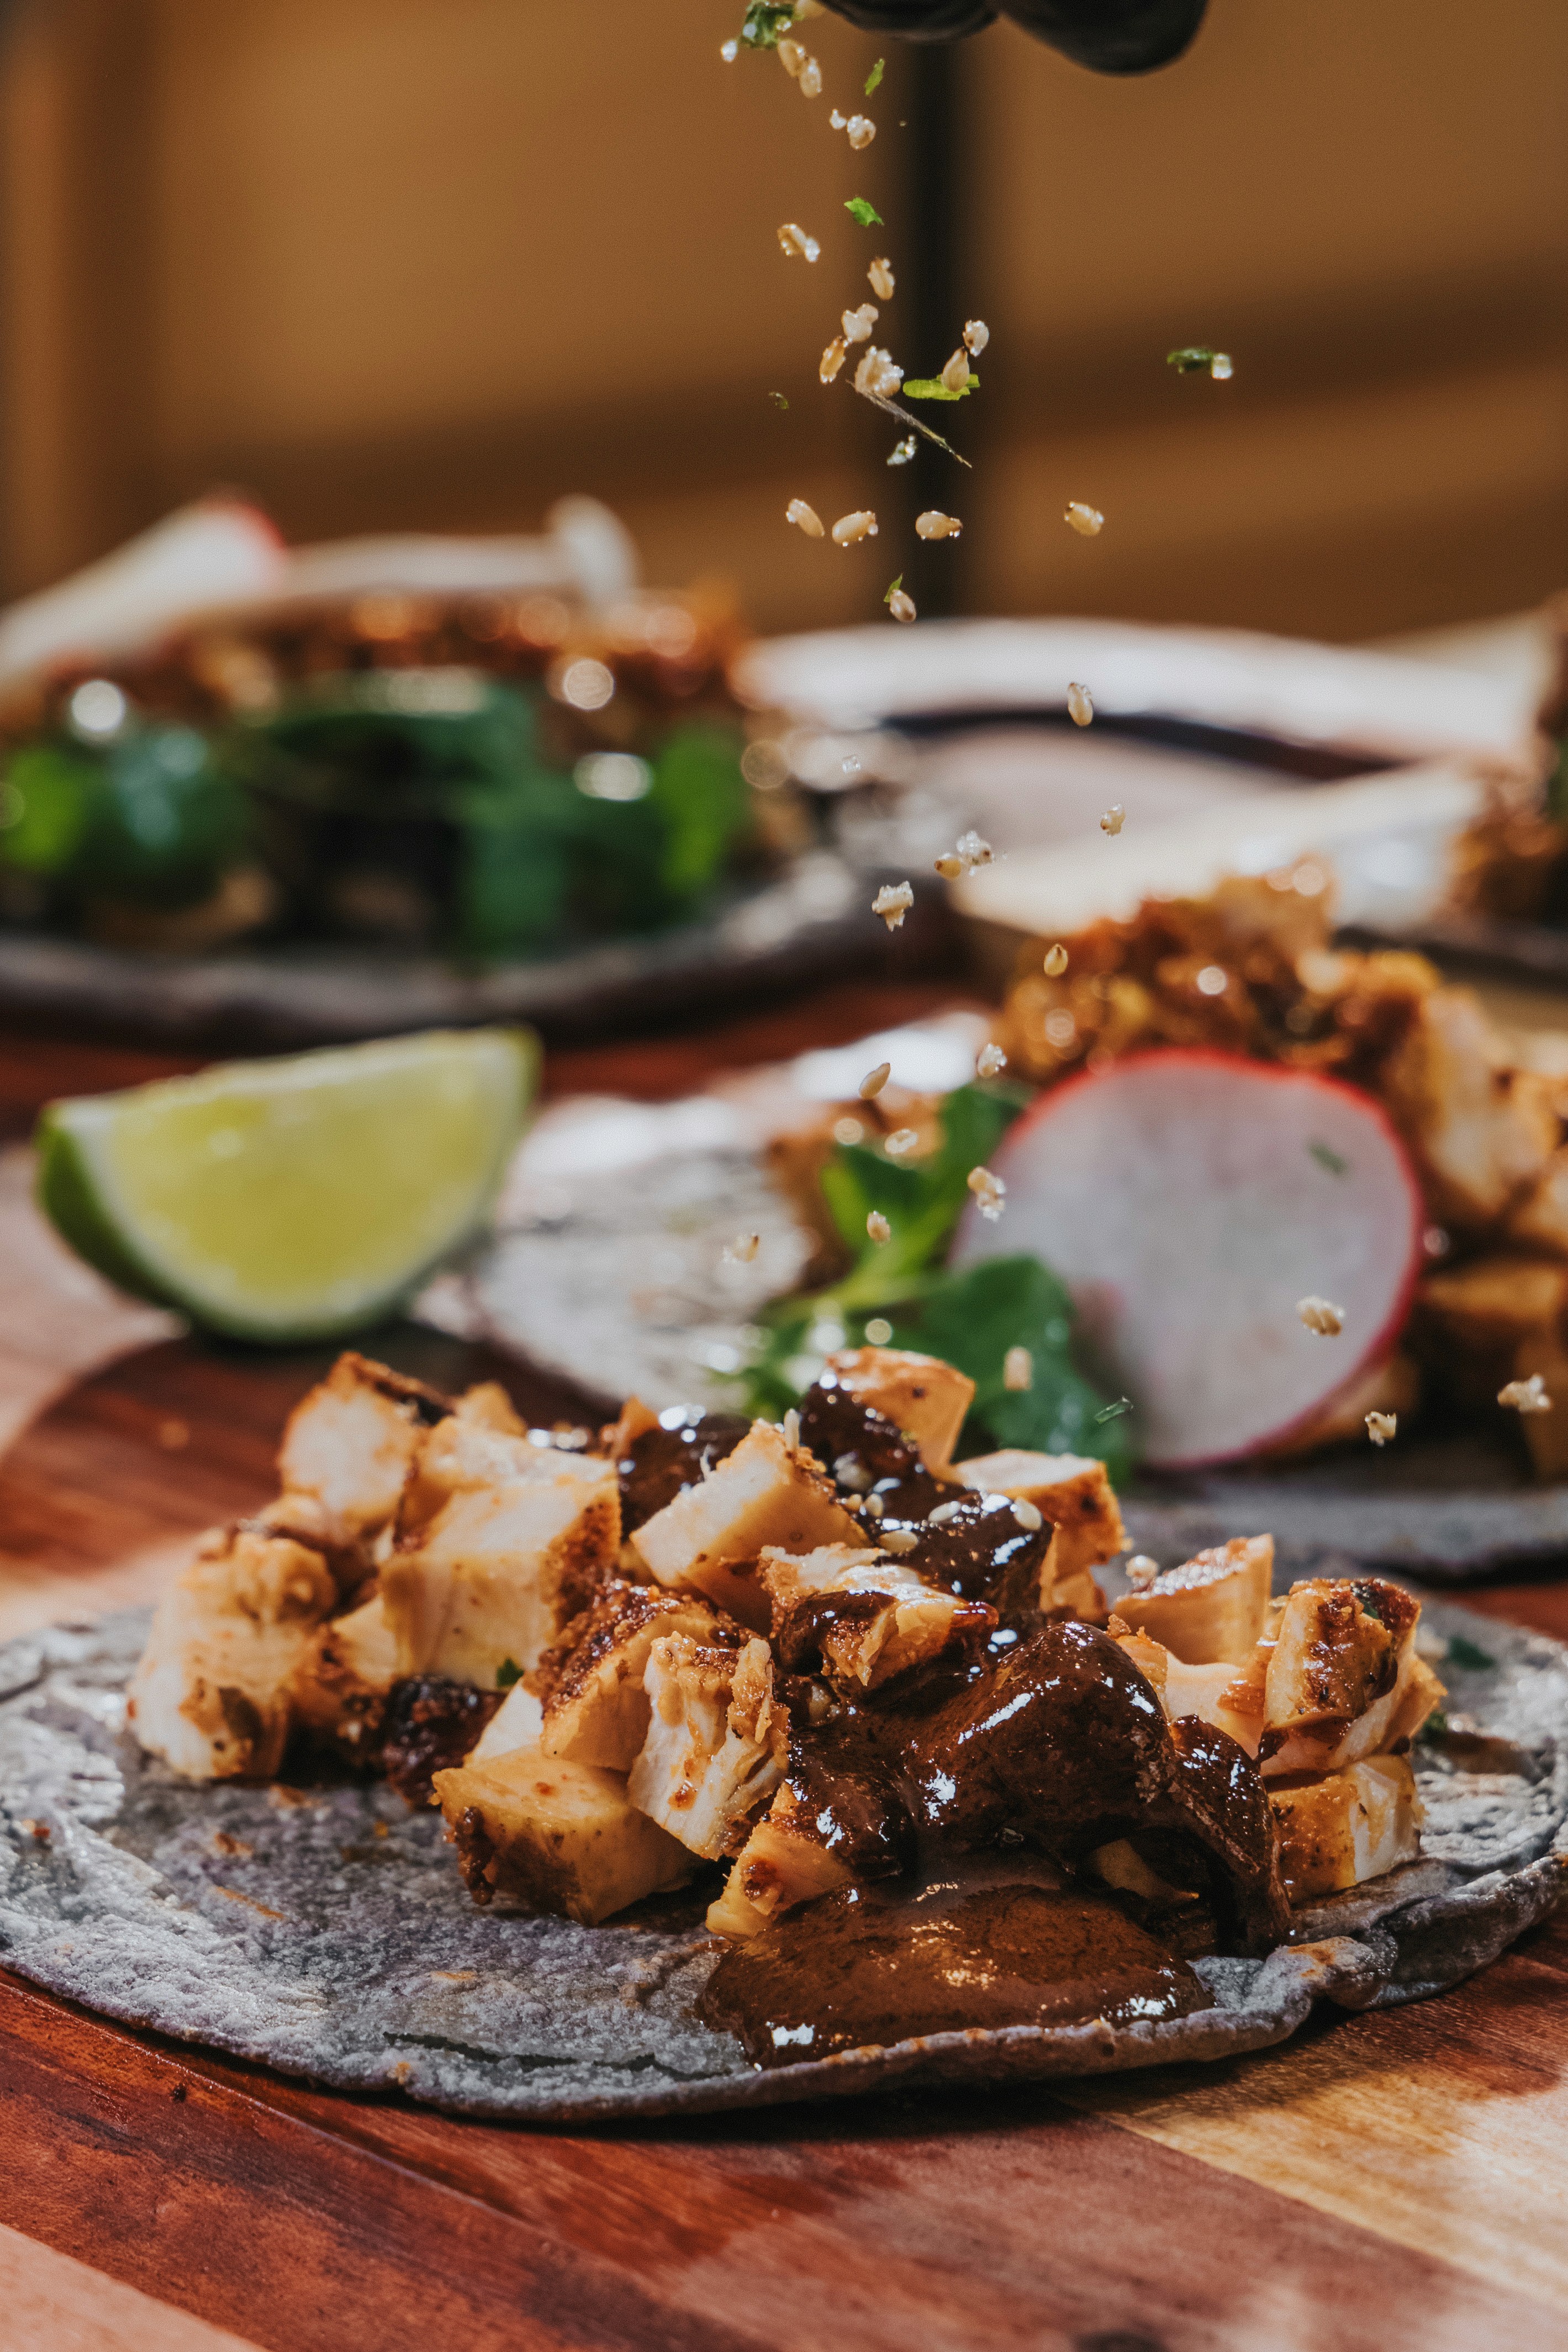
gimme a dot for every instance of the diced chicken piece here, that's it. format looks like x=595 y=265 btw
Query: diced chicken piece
x=517 y=1723
x=1073 y=1491
x=1545 y=1433
x=764 y=1493
x=555 y=1836
x=1496 y=1301
x=1482 y=1132
x=1331 y=1689
x=1208 y=1692
x=782 y=1864
x=1393 y=1386
x=1353 y=1824
x=617 y=1438
x=498 y=1543
x=1419 y=1692
x=341 y=1688
x=1540 y=1220
x=211 y=1692
x=488 y=1406
x=1210 y=1610
x=868 y=1617
x=921 y=1396
x=347 y=1447
x=716 y=1744
x=598 y=1709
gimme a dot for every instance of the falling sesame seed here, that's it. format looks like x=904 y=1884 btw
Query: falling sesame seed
x=942 y=1514
x=793 y=238
x=882 y=278
x=832 y=360
x=874 y=1080
x=976 y=335
x=1027 y=1514
x=1018 y=1369
x=872 y=1504
x=950 y=867
x=893 y=902
x=743 y=1249
x=851 y=528
x=974 y=848
x=990 y=1061
x=792 y=1429
x=804 y=518
x=935 y=524
x=901 y=604
x=1056 y=961
x=990 y=1191
x=901 y=451
x=1382 y=1426
x=1321 y=1316
x=879 y=1331
x=903 y=1141
x=877 y=1226
x=956 y=375
x=730 y=52
x=1142 y=1570
x=861 y=132
x=1115 y=818
x=837 y=120
x=1526 y=1396
x=793 y=56
x=1086 y=520
x=847 y=1131
x=858 y=324
x=1219 y=367
x=899 y=1539
x=1079 y=704
x=809 y=79
x=877 y=375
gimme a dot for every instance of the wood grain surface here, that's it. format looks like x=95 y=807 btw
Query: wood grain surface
x=1388 y=2181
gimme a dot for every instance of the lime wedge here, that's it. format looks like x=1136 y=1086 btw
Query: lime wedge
x=291 y=1200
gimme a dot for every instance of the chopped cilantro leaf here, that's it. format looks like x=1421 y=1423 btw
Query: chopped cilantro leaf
x=874 y=78
x=1197 y=359
x=1114 y=1412
x=931 y=387
x=508 y=1672
x=1329 y=1159
x=1469 y=1656
x=778 y=400
x=893 y=587
x=1435 y=1725
x=866 y=214
x=764 y=23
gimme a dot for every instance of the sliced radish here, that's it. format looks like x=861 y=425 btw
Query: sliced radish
x=1189 y=1200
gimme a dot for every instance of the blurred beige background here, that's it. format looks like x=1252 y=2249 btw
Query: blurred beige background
x=428 y=263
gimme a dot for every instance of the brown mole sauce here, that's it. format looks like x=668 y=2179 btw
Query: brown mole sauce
x=662 y=1463
x=986 y=1941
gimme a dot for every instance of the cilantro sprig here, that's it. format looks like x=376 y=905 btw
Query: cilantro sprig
x=860 y=208
x=931 y=387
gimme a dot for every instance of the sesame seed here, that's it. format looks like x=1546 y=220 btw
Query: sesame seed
x=877 y=1226
x=743 y=1249
x=837 y=120
x=902 y=451
x=873 y=1505
x=901 y=604
x=874 y=1080
x=1079 y=704
x=1086 y=520
x=1321 y=1316
x=809 y=79
x=1219 y=367
x=1526 y=1396
x=858 y=324
x=893 y=902
x=793 y=56
x=935 y=524
x=1027 y=1514
x=1115 y=818
x=974 y=848
x=1018 y=1369
x=903 y=1139
x=730 y=52
x=1141 y=1570
x=804 y=518
x=942 y=1514
x=882 y=278
x=899 y=1539
x=956 y=375
x=832 y=360
x=1056 y=961
x=950 y=867
x=1382 y=1426
x=877 y=375
x=791 y=1429
x=990 y=1061
x=879 y=1331
x=793 y=238
x=976 y=335
x=990 y=1191
x=851 y=528
x=847 y=1131
x=862 y=131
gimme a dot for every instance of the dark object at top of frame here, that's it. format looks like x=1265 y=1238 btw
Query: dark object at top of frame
x=1110 y=36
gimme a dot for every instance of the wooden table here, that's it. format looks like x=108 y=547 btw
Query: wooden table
x=1385 y=2181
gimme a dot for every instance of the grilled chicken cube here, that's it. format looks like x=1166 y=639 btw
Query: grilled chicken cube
x=921 y=1396
x=486 y=1405
x=339 y=1688
x=766 y=1492
x=1332 y=1682
x=1212 y=1609
x=348 y=1446
x=1075 y=1493
x=1352 y=1825
x=211 y=1692
x=517 y=1723
x=716 y=1744
x=1210 y=1692
x=497 y=1544
x=598 y=1709
x=866 y=1616
x=782 y=1864
x=555 y=1836
x=1482 y=1132
x=1476 y=1319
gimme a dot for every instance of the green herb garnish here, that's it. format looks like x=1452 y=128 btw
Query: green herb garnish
x=1197 y=359
x=893 y=587
x=1468 y=1657
x=1329 y=1159
x=874 y=78
x=1114 y=1412
x=778 y=400
x=764 y=23
x=866 y=214
x=508 y=1672
x=931 y=387
x=1435 y=1725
